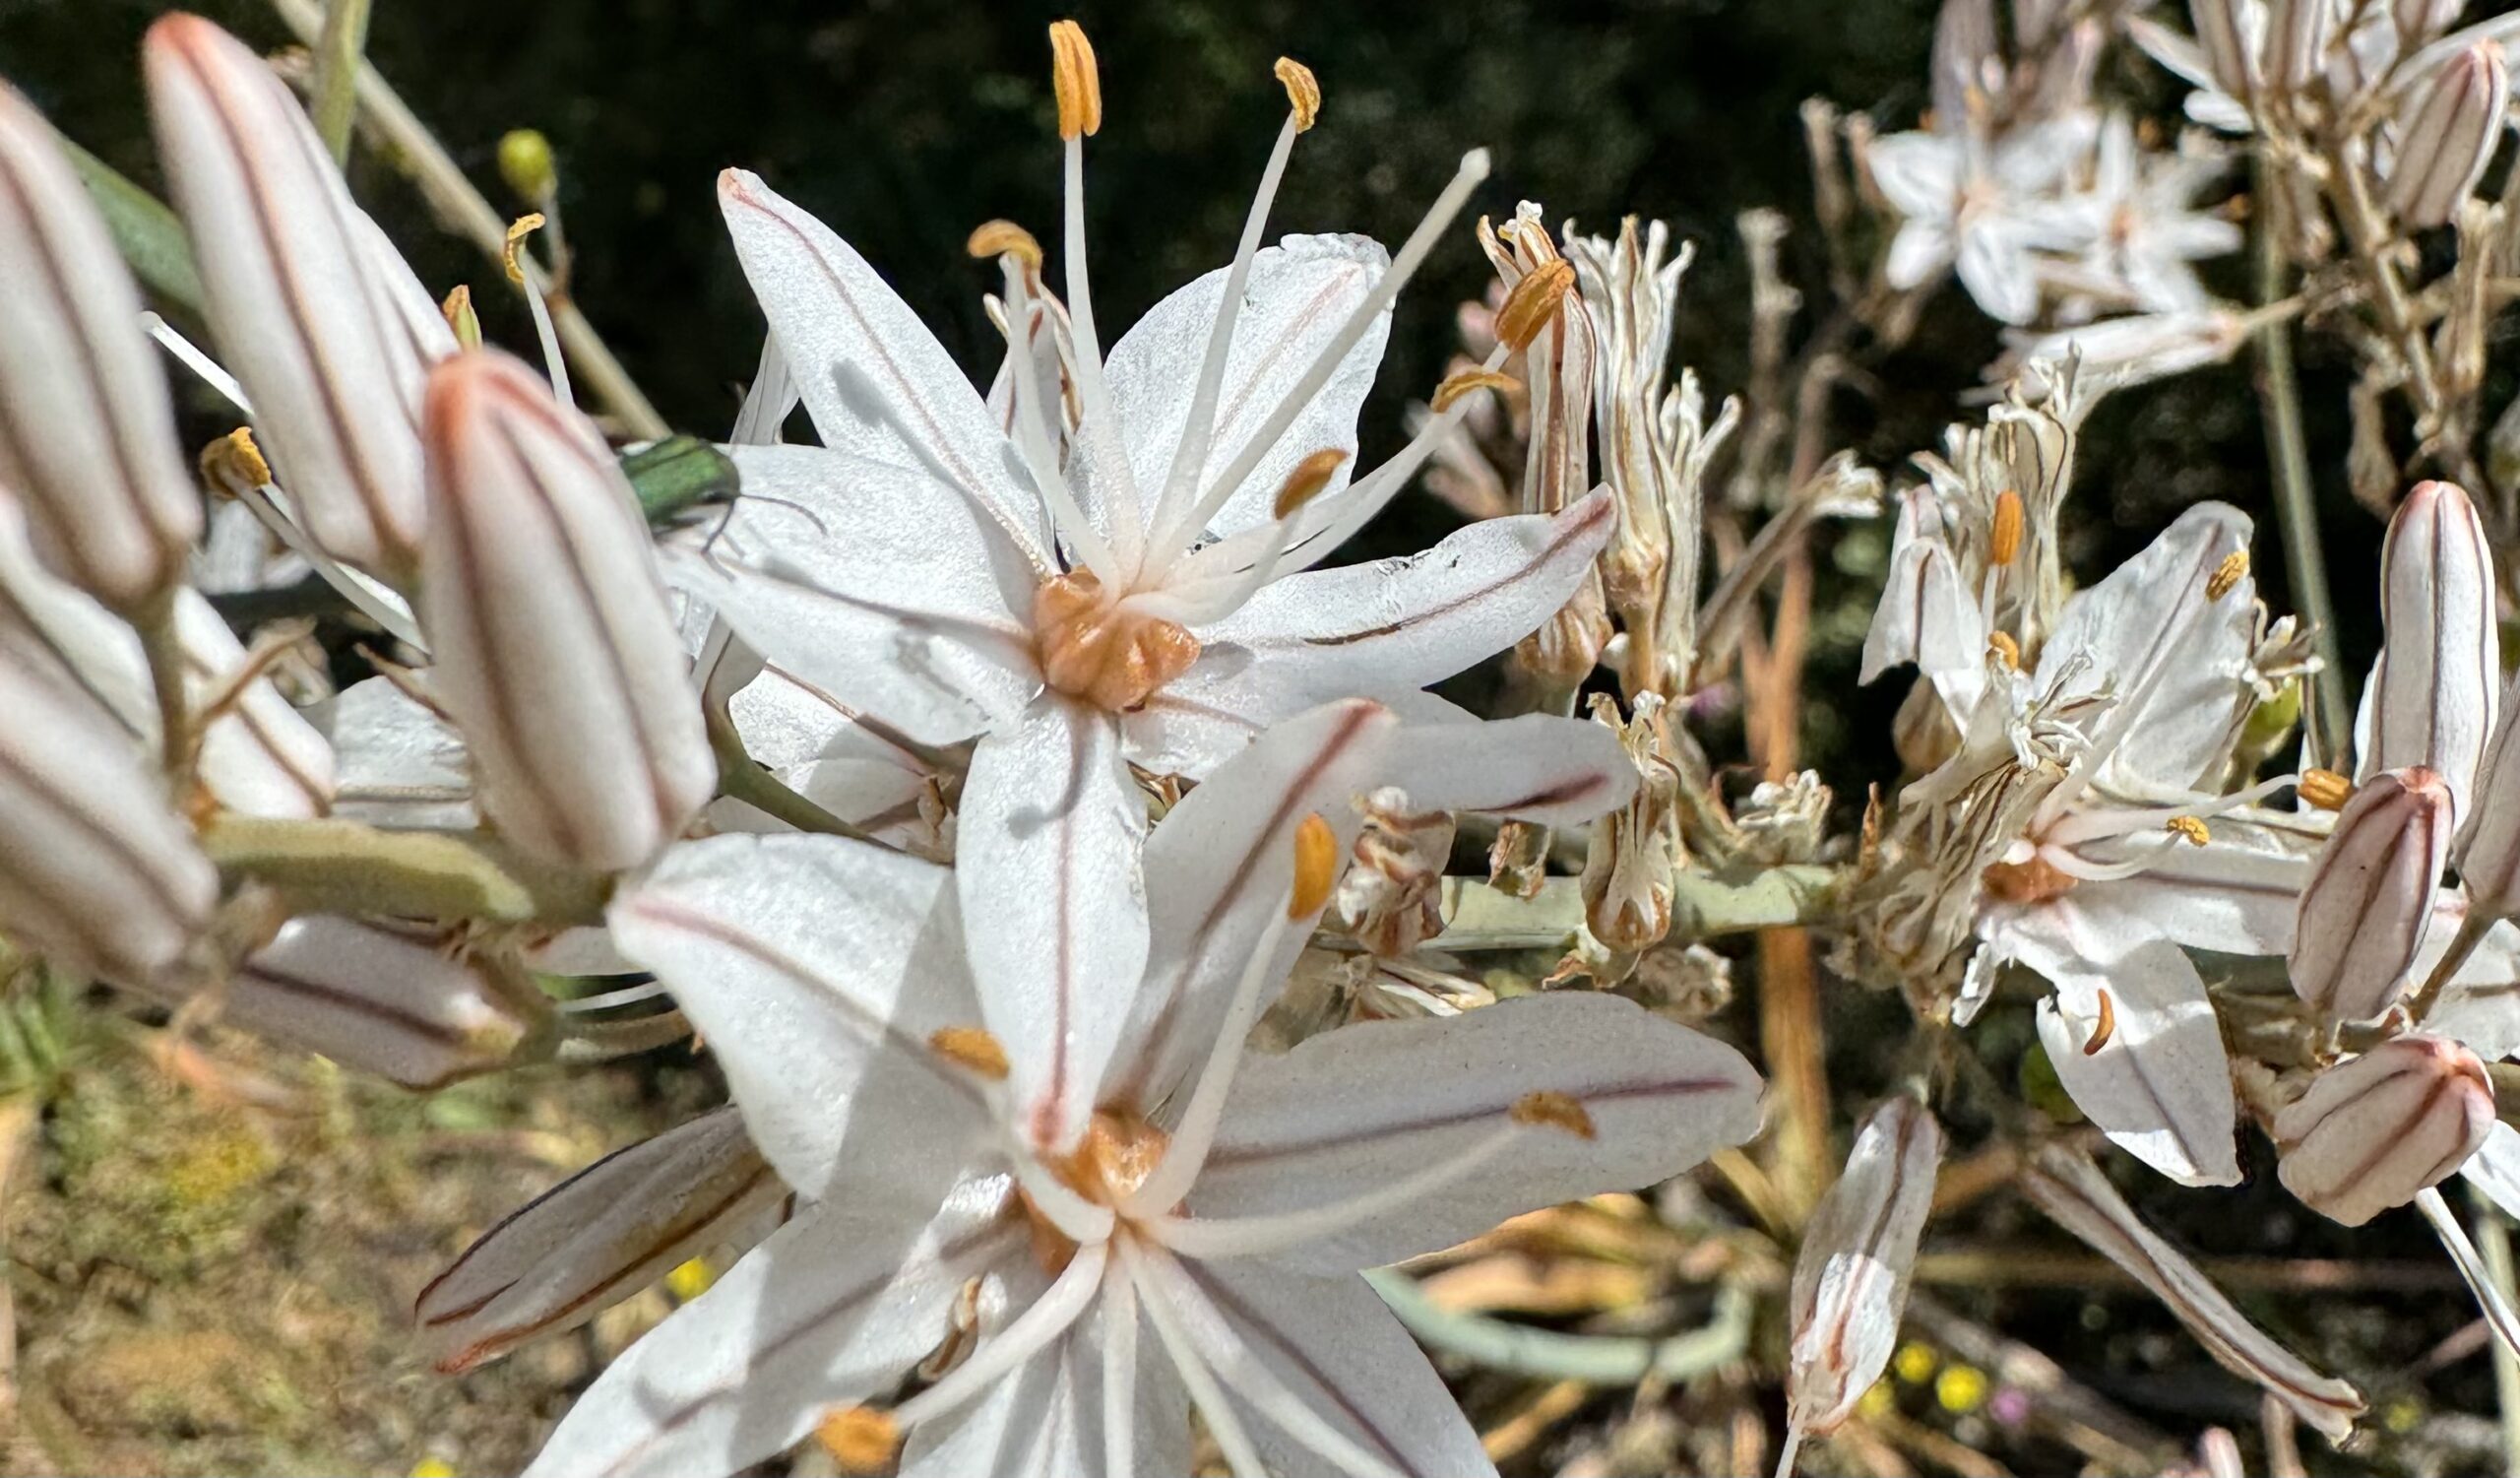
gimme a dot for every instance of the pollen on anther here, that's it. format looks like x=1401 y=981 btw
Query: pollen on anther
x=233 y=463
x=2005 y=542
x=1075 y=80
x=2227 y=574
x=1305 y=482
x=1316 y=866
x=1551 y=1109
x=518 y=229
x=860 y=1438
x=2189 y=829
x=2001 y=646
x=1455 y=386
x=2102 y=1029
x=971 y=1048
x=1532 y=303
x=1002 y=238
x=1303 y=92
x=2325 y=789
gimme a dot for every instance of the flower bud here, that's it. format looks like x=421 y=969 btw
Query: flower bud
x=2488 y=845
x=1393 y=897
x=2297 y=35
x=556 y=652
x=327 y=330
x=1851 y=1279
x=2222 y=38
x=2372 y=1131
x=2368 y=901
x=97 y=871
x=2445 y=142
x=2432 y=693
x=87 y=436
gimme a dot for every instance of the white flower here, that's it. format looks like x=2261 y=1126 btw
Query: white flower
x=1984 y=208
x=2143 y=232
x=1221 y=1205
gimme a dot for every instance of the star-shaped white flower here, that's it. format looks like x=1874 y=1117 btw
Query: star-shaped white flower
x=1983 y=207
x=2144 y=233
x=1220 y=1205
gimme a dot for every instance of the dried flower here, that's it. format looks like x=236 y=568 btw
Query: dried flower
x=1851 y=1278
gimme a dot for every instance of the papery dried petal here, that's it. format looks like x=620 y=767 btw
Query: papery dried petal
x=2066 y=1186
x=87 y=434
x=1393 y=897
x=2372 y=1131
x=326 y=329
x=96 y=870
x=1851 y=1278
x=2369 y=902
x=2450 y=136
x=557 y=651
x=1631 y=854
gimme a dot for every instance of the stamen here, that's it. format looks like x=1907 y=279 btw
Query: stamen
x=1305 y=482
x=1242 y=1457
x=2227 y=574
x=1316 y=867
x=2005 y=542
x=191 y=359
x=1413 y=252
x=521 y=273
x=235 y=465
x=2104 y=1028
x=1534 y=304
x=233 y=461
x=1100 y=424
x=1303 y=92
x=2325 y=789
x=2001 y=647
x=1457 y=386
x=1000 y=238
x=1075 y=80
x=970 y=1048
x=1031 y=1332
x=860 y=1438
x=1119 y=1374
x=460 y=317
x=1560 y=1111
x=1274 y=1232
x=2084 y=827
x=1197 y=1134
x=1068 y=518
x=2190 y=829
x=1081 y=1221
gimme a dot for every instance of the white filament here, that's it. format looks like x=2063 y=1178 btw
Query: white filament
x=1240 y=1457
x=1120 y=1376
x=1182 y=1159
x=1257 y=1236
x=1067 y=517
x=1098 y=424
x=1033 y=1330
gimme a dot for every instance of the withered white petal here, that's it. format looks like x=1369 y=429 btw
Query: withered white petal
x=2372 y=1131
x=2078 y=1198
x=313 y=316
x=1851 y=1278
x=87 y=434
x=556 y=652
x=2369 y=903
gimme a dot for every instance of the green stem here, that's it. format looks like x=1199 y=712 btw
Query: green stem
x=1703 y=906
x=2296 y=510
x=338 y=52
x=148 y=234
x=1549 y=1355
x=338 y=866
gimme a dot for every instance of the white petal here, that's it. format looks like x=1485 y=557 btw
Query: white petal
x=817 y=969
x=2179 y=662
x=375 y=999
x=1299 y=294
x=596 y=1238
x=1536 y=767
x=876 y=584
x=1353 y=1110
x=1221 y=864
x=1046 y=852
x=1395 y=626
x=1918 y=172
x=835 y=1307
x=2494 y=1168
x=2434 y=686
x=1999 y=273
x=1925 y=615
x=1851 y=1279
x=2160 y=1083
x=401 y=764
x=2237 y=894
x=877 y=382
x=1045 y=1421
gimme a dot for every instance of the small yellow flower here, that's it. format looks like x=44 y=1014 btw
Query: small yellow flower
x=1961 y=1389
x=2401 y=1416
x=432 y=1467
x=1878 y=1401
x=689 y=1280
x=1915 y=1363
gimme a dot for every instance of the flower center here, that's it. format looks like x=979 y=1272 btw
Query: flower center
x=1120 y=1151
x=2034 y=881
x=1097 y=649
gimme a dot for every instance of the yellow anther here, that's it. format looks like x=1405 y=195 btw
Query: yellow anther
x=2102 y=1029
x=233 y=464
x=1074 y=79
x=2227 y=574
x=1455 y=386
x=1303 y=92
x=457 y=310
x=1004 y=238
x=971 y=1048
x=689 y=1279
x=2006 y=542
x=2326 y=789
x=1305 y=482
x=2001 y=647
x=1316 y=866
x=1551 y=1109
x=522 y=226
x=1532 y=303
x=860 y=1438
x=2189 y=829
